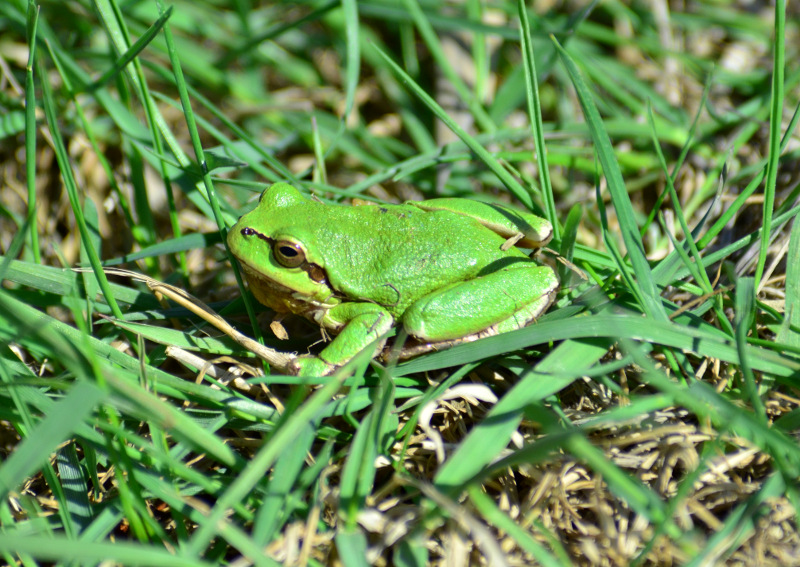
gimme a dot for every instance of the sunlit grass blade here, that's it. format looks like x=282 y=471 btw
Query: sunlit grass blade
x=790 y=329
x=353 y=50
x=259 y=464
x=644 y=287
x=82 y=399
x=745 y=318
x=132 y=52
x=487 y=441
x=59 y=548
x=706 y=341
x=499 y=518
x=30 y=130
x=72 y=190
x=775 y=121
x=535 y=117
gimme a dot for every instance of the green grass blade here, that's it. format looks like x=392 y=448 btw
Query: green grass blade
x=745 y=317
x=648 y=294
x=706 y=341
x=132 y=52
x=30 y=130
x=352 y=69
x=78 y=404
x=775 y=121
x=72 y=190
x=535 y=117
x=282 y=438
x=789 y=332
x=75 y=487
x=56 y=549
x=485 y=442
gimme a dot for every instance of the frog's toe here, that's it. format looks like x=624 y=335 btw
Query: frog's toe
x=311 y=366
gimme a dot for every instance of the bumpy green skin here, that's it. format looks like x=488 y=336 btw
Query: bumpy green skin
x=435 y=266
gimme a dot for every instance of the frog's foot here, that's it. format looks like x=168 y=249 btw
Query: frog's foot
x=362 y=326
x=310 y=366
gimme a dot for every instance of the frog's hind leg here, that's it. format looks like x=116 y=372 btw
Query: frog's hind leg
x=525 y=229
x=495 y=303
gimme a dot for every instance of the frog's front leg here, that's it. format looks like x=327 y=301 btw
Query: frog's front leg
x=360 y=324
x=500 y=301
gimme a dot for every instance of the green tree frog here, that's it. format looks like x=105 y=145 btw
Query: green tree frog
x=444 y=269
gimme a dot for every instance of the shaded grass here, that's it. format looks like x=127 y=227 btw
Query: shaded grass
x=651 y=415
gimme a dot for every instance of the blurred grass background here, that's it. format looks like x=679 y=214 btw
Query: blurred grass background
x=650 y=418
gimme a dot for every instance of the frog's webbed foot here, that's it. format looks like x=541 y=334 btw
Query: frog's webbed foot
x=310 y=366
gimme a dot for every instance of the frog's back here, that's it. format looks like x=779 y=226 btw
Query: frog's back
x=395 y=254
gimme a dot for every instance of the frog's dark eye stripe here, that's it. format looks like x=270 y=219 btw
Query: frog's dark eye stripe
x=316 y=273
x=247 y=231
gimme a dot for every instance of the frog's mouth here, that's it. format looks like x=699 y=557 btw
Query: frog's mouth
x=280 y=298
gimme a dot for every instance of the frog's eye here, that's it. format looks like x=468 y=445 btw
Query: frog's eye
x=289 y=254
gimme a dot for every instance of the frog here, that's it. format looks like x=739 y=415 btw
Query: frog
x=446 y=270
